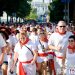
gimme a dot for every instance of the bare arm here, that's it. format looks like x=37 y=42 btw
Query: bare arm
x=15 y=57
x=2 y=55
x=35 y=56
x=14 y=62
x=54 y=47
x=64 y=57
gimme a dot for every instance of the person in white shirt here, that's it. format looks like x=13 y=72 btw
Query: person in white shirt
x=42 y=58
x=49 y=28
x=8 y=49
x=26 y=53
x=58 y=41
x=34 y=36
x=69 y=55
x=2 y=45
x=2 y=54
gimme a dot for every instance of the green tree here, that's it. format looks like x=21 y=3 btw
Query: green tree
x=56 y=9
x=20 y=7
x=2 y=7
x=24 y=9
x=32 y=15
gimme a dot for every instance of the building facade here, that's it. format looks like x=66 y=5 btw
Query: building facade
x=41 y=6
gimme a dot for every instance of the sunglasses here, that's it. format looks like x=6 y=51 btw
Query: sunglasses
x=62 y=26
x=70 y=40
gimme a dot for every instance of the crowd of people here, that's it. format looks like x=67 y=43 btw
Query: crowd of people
x=31 y=50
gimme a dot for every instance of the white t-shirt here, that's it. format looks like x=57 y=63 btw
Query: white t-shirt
x=13 y=40
x=2 y=43
x=40 y=44
x=40 y=51
x=59 y=40
x=34 y=38
x=70 y=64
x=24 y=54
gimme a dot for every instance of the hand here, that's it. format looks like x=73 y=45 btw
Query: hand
x=11 y=71
x=58 y=48
x=12 y=68
x=63 y=66
x=32 y=62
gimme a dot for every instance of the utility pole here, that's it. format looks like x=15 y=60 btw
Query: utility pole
x=43 y=5
x=68 y=12
x=66 y=9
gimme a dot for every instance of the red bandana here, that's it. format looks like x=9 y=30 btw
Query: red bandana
x=45 y=39
x=72 y=48
x=73 y=32
x=27 y=39
x=61 y=33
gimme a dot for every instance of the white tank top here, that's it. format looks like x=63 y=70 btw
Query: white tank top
x=70 y=58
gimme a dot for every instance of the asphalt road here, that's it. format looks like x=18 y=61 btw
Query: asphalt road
x=14 y=74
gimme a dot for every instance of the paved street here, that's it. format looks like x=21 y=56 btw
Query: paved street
x=15 y=74
x=1 y=73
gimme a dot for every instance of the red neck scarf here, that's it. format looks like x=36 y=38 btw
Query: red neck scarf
x=72 y=48
x=45 y=39
x=73 y=32
x=61 y=33
x=27 y=39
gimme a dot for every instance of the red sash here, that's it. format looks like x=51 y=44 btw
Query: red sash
x=71 y=48
x=43 y=54
x=52 y=63
x=60 y=57
x=21 y=69
x=52 y=53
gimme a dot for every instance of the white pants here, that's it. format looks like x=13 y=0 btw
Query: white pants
x=58 y=65
x=29 y=68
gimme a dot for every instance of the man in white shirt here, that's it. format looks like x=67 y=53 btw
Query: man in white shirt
x=58 y=41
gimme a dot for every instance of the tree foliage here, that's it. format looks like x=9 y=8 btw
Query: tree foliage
x=24 y=9
x=20 y=7
x=32 y=15
x=56 y=9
